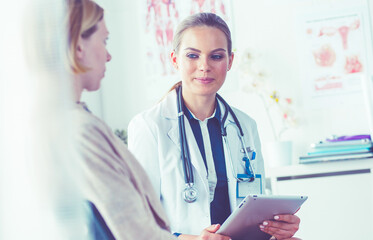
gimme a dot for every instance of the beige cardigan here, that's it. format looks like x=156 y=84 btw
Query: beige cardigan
x=116 y=183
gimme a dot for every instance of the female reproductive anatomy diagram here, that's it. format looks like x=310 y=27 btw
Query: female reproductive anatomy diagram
x=336 y=54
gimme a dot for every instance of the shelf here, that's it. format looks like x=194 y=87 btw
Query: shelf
x=322 y=167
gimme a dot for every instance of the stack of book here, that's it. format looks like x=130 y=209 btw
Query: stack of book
x=339 y=150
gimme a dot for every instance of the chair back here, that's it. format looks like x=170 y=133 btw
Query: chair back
x=98 y=228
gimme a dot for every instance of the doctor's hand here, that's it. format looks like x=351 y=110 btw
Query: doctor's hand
x=283 y=227
x=207 y=234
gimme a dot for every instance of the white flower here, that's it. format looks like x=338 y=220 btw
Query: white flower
x=256 y=81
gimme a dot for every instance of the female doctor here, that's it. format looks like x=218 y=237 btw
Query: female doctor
x=202 y=155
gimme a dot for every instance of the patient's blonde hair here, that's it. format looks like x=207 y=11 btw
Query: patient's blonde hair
x=83 y=16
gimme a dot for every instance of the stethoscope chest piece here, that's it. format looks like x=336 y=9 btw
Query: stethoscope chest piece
x=190 y=193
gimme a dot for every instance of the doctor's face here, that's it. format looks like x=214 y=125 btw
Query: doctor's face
x=202 y=60
x=92 y=53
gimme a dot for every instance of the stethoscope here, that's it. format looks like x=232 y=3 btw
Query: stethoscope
x=190 y=193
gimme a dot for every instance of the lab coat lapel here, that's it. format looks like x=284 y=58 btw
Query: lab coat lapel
x=233 y=137
x=173 y=134
x=195 y=154
x=231 y=153
x=169 y=110
x=232 y=160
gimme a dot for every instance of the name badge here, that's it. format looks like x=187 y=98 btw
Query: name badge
x=245 y=187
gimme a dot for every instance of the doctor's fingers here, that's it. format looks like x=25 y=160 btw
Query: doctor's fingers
x=205 y=235
x=279 y=233
x=293 y=238
x=292 y=224
x=287 y=218
x=209 y=233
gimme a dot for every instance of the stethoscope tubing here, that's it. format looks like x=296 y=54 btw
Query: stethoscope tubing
x=229 y=110
x=185 y=155
x=224 y=134
x=188 y=171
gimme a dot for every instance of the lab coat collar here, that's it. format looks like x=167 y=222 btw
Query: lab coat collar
x=169 y=109
x=229 y=119
x=169 y=106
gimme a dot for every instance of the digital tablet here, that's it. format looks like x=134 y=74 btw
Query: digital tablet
x=244 y=221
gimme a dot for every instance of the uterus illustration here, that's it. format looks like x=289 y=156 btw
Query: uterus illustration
x=343 y=31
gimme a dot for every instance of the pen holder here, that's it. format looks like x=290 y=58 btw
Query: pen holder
x=277 y=153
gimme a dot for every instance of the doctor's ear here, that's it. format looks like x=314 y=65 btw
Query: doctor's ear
x=231 y=57
x=174 y=60
x=79 y=51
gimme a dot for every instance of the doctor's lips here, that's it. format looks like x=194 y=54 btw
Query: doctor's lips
x=204 y=79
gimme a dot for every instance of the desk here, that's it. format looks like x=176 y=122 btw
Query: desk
x=340 y=204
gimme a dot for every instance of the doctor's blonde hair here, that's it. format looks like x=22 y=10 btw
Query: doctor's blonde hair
x=200 y=20
x=83 y=16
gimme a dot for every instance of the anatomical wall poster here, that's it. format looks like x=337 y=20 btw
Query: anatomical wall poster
x=335 y=55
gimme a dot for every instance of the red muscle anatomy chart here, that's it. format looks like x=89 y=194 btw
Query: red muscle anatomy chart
x=334 y=55
x=214 y=6
x=161 y=20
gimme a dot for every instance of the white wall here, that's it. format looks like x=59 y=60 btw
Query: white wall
x=269 y=27
x=125 y=89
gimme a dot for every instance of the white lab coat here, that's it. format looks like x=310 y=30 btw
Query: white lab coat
x=153 y=137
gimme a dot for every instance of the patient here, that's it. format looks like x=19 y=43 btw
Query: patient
x=114 y=181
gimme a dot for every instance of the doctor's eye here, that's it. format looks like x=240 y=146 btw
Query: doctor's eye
x=192 y=55
x=217 y=56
